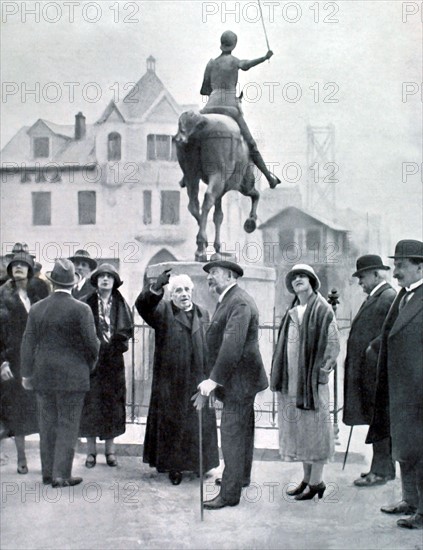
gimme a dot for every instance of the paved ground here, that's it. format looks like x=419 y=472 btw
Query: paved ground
x=132 y=507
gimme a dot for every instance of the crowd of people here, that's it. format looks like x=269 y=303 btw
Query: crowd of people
x=63 y=374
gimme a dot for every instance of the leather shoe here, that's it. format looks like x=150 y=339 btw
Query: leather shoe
x=370 y=480
x=218 y=482
x=175 y=477
x=47 y=480
x=413 y=522
x=364 y=474
x=401 y=507
x=217 y=503
x=60 y=482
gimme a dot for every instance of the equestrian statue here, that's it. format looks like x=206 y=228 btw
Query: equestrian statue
x=216 y=145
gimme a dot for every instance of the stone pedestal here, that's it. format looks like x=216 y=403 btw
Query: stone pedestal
x=259 y=282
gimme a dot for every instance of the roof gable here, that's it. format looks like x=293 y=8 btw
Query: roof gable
x=298 y=212
x=162 y=109
x=62 y=130
x=111 y=111
x=141 y=98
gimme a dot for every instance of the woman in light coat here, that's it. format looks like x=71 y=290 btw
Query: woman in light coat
x=305 y=354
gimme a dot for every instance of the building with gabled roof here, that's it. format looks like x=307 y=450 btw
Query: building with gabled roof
x=110 y=187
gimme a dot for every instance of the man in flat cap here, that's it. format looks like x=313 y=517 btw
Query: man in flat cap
x=399 y=393
x=84 y=266
x=237 y=375
x=361 y=362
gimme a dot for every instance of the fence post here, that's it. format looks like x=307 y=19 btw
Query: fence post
x=333 y=299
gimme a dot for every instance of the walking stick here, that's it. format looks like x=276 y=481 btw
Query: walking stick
x=200 y=427
x=199 y=402
x=348 y=447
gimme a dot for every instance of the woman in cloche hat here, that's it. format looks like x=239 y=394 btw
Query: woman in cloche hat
x=104 y=411
x=305 y=354
x=18 y=406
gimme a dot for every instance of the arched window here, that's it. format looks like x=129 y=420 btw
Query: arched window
x=114 y=146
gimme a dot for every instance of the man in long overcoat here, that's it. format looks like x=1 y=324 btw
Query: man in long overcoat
x=172 y=435
x=399 y=394
x=237 y=374
x=361 y=362
x=59 y=349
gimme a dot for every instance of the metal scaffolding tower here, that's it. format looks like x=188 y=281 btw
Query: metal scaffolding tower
x=321 y=169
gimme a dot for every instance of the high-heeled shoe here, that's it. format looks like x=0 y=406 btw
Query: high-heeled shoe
x=312 y=491
x=111 y=460
x=298 y=490
x=22 y=466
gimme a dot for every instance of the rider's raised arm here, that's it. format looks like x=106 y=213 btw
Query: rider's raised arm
x=245 y=64
x=206 y=88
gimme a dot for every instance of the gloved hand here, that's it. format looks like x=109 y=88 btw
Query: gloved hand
x=207 y=386
x=27 y=384
x=162 y=280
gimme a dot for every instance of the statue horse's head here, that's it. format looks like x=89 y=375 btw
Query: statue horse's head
x=189 y=123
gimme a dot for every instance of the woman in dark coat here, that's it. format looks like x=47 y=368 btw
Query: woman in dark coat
x=18 y=406
x=104 y=413
x=172 y=436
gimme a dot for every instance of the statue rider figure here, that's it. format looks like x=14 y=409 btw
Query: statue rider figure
x=220 y=80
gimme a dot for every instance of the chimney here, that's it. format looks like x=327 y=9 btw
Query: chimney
x=151 y=64
x=80 y=129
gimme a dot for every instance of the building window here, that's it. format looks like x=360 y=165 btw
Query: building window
x=41 y=147
x=313 y=239
x=114 y=146
x=160 y=147
x=147 y=211
x=41 y=208
x=169 y=208
x=86 y=207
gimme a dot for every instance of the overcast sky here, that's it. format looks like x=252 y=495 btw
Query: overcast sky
x=358 y=54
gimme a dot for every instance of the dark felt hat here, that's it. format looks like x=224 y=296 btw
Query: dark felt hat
x=24 y=258
x=84 y=256
x=368 y=261
x=408 y=248
x=106 y=268
x=227 y=261
x=307 y=270
x=63 y=273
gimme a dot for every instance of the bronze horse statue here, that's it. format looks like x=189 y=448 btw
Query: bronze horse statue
x=210 y=148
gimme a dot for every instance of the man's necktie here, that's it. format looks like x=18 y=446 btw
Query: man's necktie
x=405 y=299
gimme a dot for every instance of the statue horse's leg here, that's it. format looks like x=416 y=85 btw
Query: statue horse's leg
x=249 y=190
x=217 y=220
x=214 y=192
x=193 y=203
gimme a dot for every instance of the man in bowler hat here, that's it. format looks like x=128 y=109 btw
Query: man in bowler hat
x=361 y=362
x=399 y=393
x=237 y=375
x=59 y=350
x=84 y=266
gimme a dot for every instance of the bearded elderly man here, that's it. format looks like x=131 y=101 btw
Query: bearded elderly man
x=399 y=392
x=237 y=375
x=172 y=435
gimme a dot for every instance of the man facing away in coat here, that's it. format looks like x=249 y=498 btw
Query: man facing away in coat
x=399 y=392
x=361 y=362
x=237 y=375
x=59 y=350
